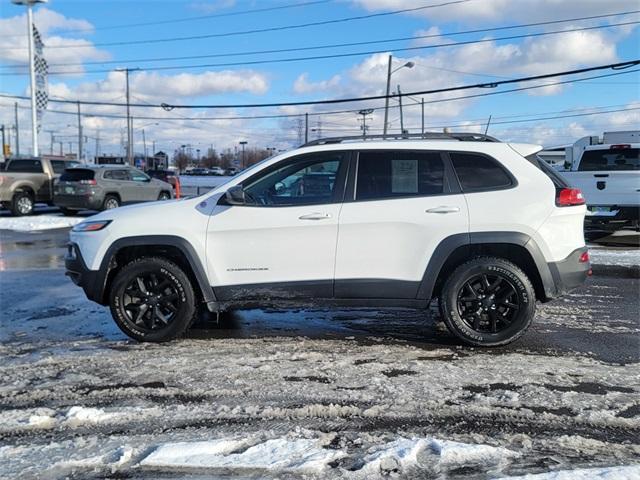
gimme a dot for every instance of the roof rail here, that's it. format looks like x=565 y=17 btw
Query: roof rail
x=460 y=136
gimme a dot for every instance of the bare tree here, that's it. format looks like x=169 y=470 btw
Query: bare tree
x=181 y=160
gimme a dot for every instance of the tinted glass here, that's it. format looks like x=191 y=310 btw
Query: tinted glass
x=116 y=175
x=59 y=165
x=75 y=175
x=25 y=166
x=138 y=176
x=615 y=159
x=555 y=177
x=309 y=180
x=399 y=174
x=479 y=172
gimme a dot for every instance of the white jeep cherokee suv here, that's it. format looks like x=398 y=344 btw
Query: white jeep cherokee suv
x=458 y=217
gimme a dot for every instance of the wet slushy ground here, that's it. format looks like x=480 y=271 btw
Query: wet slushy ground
x=337 y=393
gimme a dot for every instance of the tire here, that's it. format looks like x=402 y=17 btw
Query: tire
x=67 y=212
x=157 y=322
x=164 y=196
x=22 y=204
x=488 y=302
x=110 y=202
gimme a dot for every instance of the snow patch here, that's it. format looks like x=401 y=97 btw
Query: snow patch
x=77 y=416
x=631 y=472
x=624 y=258
x=463 y=453
x=34 y=223
x=279 y=454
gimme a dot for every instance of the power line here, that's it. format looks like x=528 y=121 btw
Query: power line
x=336 y=45
x=259 y=30
x=319 y=113
x=341 y=55
x=188 y=19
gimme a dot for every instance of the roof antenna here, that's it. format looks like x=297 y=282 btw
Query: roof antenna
x=488 y=123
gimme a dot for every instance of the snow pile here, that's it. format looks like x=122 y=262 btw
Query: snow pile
x=77 y=416
x=431 y=454
x=279 y=454
x=631 y=472
x=34 y=223
x=623 y=258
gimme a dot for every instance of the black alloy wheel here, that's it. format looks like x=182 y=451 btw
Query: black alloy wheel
x=152 y=299
x=488 y=302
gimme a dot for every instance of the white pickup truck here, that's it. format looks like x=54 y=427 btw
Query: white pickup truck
x=608 y=173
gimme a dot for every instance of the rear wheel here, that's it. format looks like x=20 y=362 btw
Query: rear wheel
x=152 y=300
x=110 y=202
x=488 y=301
x=22 y=204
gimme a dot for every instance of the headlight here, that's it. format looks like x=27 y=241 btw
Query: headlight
x=90 y=226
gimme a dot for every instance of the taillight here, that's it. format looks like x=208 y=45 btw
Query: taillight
x=567 y=197
x=584 y=258
x=88 y=182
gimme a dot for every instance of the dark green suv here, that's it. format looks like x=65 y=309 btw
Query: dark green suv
x=103 y=187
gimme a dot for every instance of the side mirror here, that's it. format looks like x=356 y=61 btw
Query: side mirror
x=235 y=196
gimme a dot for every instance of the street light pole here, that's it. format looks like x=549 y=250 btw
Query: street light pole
x=386 y=100
x=79 y=134
x=243 y=143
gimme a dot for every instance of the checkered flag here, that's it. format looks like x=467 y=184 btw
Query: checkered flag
x=41 y=70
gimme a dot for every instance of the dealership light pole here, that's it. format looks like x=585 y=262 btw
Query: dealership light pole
x=243 y=143
x=32 y=74
x=386 y=101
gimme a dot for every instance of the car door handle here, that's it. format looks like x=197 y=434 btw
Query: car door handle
x=315 y=216
x=444 y=209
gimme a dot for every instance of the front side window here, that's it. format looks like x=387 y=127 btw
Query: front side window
x=479 y=172
x=615 y=159
x=394 y=174
x=138 y=176
x=308 y=180
x=25 y=166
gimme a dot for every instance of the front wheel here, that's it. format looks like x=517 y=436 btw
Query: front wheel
x=488 y=302
x=152 y=300
x=164 y=196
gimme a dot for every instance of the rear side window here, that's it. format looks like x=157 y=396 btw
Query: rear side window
x=394 y=174
x=77 y=175
x=116 y=175
x=25 y=166
x=478 y=172
x=554 y=176
x=614 y=159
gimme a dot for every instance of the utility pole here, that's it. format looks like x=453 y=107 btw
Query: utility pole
x=97 y=144
x=306 y=127
x=79 y=134
x=364 y=113
x=129 y=119
x=422 y=103
x=144 y=146
x=61 y=152
x=51 y=132
x=401 y=116
x=3 y=140
x=17 y=130
x=243 y=143
x=386 y=98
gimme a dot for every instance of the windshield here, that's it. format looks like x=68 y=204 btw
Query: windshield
x=620 y=159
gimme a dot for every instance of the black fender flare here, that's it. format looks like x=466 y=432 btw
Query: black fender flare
x=447 y=246
x=160 y=240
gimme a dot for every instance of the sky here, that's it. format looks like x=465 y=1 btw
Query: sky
x=88 y=42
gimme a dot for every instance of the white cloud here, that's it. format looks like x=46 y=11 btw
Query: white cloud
x=14 y=46
x=483 y=11
x=303 y=85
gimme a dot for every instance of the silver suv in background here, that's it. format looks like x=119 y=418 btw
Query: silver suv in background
x=103 y=187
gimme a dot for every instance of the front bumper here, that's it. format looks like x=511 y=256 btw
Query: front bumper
x=91 y=281
x=570 y=272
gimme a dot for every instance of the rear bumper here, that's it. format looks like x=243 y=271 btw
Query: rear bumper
x=90 y=280
x=625 y=215
x=78 y=202
x=569 y=273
